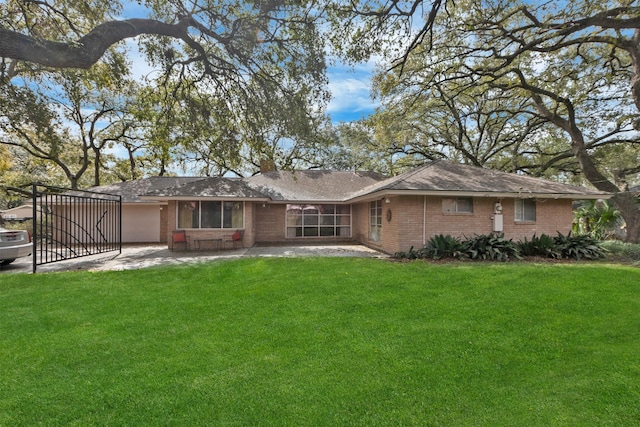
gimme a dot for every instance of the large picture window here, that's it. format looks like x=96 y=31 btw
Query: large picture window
x=318 y=220
x=375 y=221
x=210 y=214
x=525 y=210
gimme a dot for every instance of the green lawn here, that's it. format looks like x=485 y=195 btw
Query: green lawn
x=323 y=342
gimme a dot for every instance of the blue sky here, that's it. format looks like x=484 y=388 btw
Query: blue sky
x=350 y=91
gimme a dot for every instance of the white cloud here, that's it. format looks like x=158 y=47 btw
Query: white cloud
x=350 y=89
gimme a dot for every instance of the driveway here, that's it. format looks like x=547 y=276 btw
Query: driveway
x=134 y=257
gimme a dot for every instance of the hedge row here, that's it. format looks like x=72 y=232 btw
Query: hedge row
x=495 y=247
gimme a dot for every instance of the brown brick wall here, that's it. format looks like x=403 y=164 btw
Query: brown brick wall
x=270 y=223
x=405 y=229
x=409 y=212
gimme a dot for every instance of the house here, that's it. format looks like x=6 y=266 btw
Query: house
x=389 y=214
x=143 y=221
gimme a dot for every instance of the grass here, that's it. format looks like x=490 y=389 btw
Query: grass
x=323 y=342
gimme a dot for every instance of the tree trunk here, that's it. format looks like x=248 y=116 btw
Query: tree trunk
x=96 y=167
x=630 y=212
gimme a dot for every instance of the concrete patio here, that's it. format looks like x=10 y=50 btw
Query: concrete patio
x=141 y=256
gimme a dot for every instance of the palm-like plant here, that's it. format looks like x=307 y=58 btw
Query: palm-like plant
x=597 y=218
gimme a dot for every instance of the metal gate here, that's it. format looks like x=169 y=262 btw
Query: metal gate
x=70 y=224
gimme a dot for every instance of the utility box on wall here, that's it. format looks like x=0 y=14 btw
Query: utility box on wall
x=498 y=222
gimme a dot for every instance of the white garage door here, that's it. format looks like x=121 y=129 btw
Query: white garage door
x=140 y=224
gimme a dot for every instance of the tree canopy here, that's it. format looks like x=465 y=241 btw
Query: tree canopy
x=539 y=87
x=545 y=88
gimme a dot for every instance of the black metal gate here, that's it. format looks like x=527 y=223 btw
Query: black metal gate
x=71 y=224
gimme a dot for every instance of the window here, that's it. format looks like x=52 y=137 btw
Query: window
x=457 y=205
x=318 y=220
x=375 y=221
x=525 y=210
x=210 y=214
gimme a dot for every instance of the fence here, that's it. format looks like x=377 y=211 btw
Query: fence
x=70 y=224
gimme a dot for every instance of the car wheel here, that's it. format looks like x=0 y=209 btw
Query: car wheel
x=6 y=261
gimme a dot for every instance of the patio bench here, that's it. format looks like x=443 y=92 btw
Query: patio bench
x=215 y=242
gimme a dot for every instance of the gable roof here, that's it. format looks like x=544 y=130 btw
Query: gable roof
x=443 y=177
x=312 y=185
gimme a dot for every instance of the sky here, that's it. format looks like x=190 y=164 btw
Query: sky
x=349 y=85
x=350 y=92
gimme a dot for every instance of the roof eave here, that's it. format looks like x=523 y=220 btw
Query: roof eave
x=215 y=198
x=497 y=195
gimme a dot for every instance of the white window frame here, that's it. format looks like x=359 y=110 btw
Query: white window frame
x=198 y=206
x=455 y=202
x=321 y=220
x=522 y=208
x=375 y=221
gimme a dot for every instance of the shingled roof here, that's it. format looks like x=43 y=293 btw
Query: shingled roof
x=312 y=185
x=317 y=186
x=132 y=190
x=447 y=178
x=212 y=187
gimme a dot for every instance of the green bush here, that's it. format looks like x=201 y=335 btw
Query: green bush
x=490 y=247
x=622 y=249
x=496 y=247
x=578 y=246
x=543 y=246
x=441 y=246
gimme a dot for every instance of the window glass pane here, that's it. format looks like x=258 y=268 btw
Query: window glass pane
x=237 y=216
x=327 y=231
x=211 y=214
x=375 y=221
x=311 y=231
x=310 y=219
x=343 y=209
x=227 y=214
x=525 y=210
x=293 y=220
x=327 y=219
x=464 y=205
x=519 y=210
x=342 y=220
x=188 y=214
x=344 y=231
x=448 y=205
x=529 y=210
x=327 y=209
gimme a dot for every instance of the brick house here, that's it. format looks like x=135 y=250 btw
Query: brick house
x=389 y=214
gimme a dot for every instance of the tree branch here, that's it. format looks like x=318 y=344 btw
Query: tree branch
x=88 y=49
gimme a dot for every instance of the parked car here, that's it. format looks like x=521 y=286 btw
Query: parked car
x=14 y=244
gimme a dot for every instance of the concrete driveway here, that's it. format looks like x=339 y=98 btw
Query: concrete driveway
x=134 y=257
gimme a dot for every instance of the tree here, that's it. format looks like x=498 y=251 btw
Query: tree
x=573 y=68
x=68 y=118
x=239 y=56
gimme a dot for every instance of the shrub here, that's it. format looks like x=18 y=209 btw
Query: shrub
x=441 y=246
x=543 y=246
x=410 y=254
x=490 y=247
x=629 y=251
x=578 y=246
